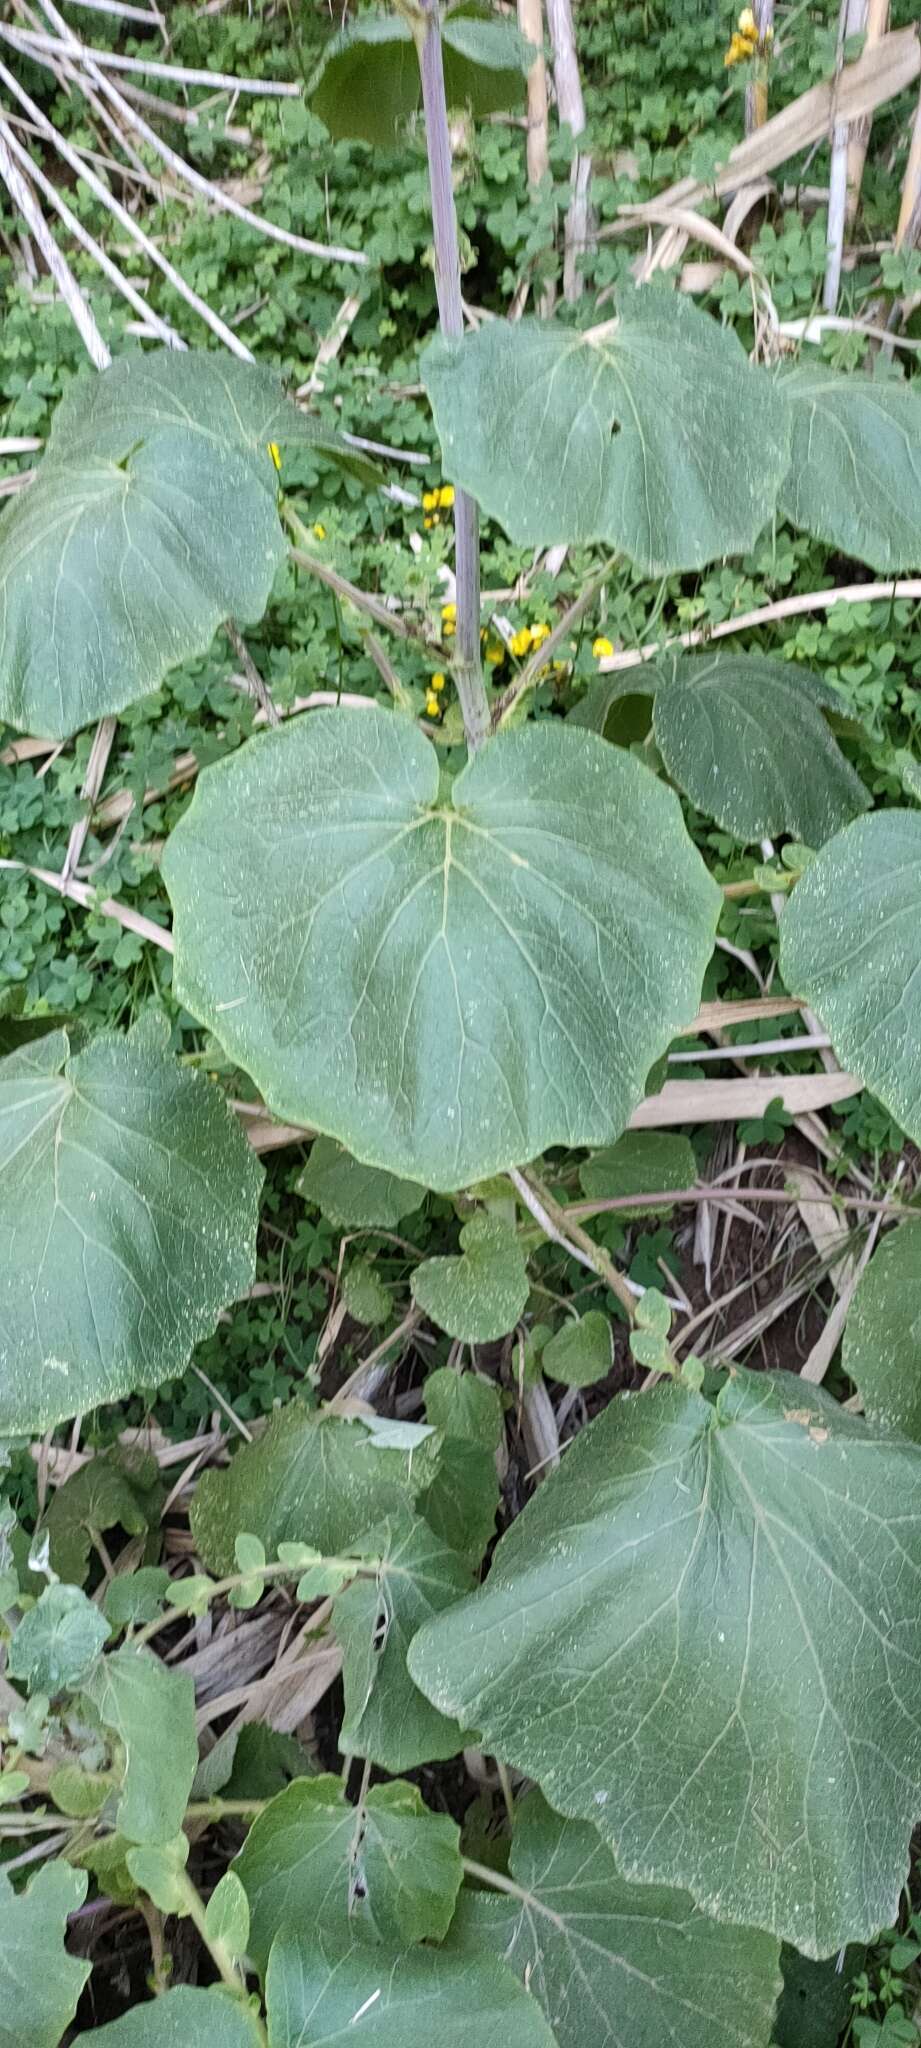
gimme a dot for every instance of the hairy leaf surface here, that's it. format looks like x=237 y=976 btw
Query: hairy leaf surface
x=128 y=1207
x=683 y=1639
x=40 y=1983
x=855 y=476
x=386 y=1717
x=479 y=1295
x=407 y=1998
x=151 y=1709
x=882 y=1335
x=447 y=987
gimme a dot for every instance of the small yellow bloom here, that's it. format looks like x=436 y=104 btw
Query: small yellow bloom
x=740 y=48
x=428 y=522
x=432 y=705
x=539 y=634
x=448 y=628
x=601 y=647
x=446 y=497
x=520 y=641
x=747 y=22
x=449 y=611
x=275 y=453
x=495 y=654
x=319 y=531
x=429 y=501
x=438 y=681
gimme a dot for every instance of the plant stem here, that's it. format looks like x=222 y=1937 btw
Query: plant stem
x=555 y=1223
x=468 y=674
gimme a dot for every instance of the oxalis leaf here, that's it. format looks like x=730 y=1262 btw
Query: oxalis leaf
x=615 y=1963
x=40 y=1983
x=882 y=1335
x=367 y=84
x=747 y=740
x=321 y=1990
x=850 y=942
x=128 y=1208
x=447 y=987
x=390 y=1872
x=628 y=434
x=480 y=1295
x=152 y=518
x=855 y=474
x=183 y=2018
x=739 y=1672
x=309 y=1478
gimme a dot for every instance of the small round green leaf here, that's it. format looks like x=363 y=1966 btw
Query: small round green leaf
x=128 y=1207
x=447 y=986
x=629 y=433
x=463 y=1404
x=855 y=474
x=747 y=740
x=227 y=1915
x=57 y=1641
x=352 y=1196
x=882 y=1335
x=850 y=943
x=582 y=1351
x=481 y=1294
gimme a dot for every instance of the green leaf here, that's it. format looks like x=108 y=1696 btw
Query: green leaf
x=882 y=1335
x=464 y=1404
x=618 y=707
x=152 y=519
x=392 y=1870
x=227 y=1915
x=582 y=1352
x=461 y=1503
x=613 y=1962
x=40 y=1984
x=152 y=1712
x=850 y=943
x=480 y=1295
x=78 y=1793
x=160 y=1872
x=367 y=84
x=352 y=1196
x=183 y=2018
x=364 y=1293
x=115 y=1489
x=855 y=472
x=739 y=1669
x=449 y=987
x=309 y=1478
x=641 y=1163
x=412 y=1998
x=386 y=1717
x=128 y=1207
x=136 y=1596
x=55 y=1644
x=747 y=740
x=814 y=2005
x=628 y=434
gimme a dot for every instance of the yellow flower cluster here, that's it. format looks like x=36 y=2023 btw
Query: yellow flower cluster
x=433 y=699
x=744 y=40
x=527 y=639
x=601 y=647
x=436 y=502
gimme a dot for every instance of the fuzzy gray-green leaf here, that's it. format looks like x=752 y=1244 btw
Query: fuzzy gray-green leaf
x=855 y=473
x=409 y=1998
x=882 y=1335
x=40 y=1983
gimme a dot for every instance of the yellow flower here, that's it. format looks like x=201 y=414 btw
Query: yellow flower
x=520 y=641
x=437 y=681
x=319 y=531
x=432 y=705
x=740 y=48
x=429 y=501
x=448 y=627
x=495 y=654
x=601 y=647
x=275 y=453
x=747 y=22
x=429 y=522
x=446 y=497
x=539 y=634
x=449 y=611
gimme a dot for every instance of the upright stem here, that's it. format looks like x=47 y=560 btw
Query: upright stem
x=468 y=673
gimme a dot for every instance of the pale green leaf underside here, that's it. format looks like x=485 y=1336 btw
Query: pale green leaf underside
x=850 y=943
x=391 y=1873
x=39 y=1983
x=480 y=1294
x=152 y=519
x=183 y=2018
x=385 y=1716
x=151 y=1710
x=631 y=438
x=614 y=1964
x=882 y=1335
x=855 y=474
x=682 y=1640
x=311 y=1479
x=352 y=1196
x=367 y=84
x=408 y=1999
x=128 y=1208
x=747 y=740
x=446 y=990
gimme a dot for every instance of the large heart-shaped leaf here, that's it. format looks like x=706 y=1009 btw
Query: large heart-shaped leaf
x=447 y=985
x=320 y=1990
x=882 y=1336
x=40 y=1984
x=747 y=740
x=614 y=1963
x=855 y=474
x=628 y=434
x=368 y=84
x=392 y=1870
x=152 y=518
x=182 y=2018
x=850 y=942
x=385 y=1716
x=128 y=1208
x=151 y=1710
x=682 y=1638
